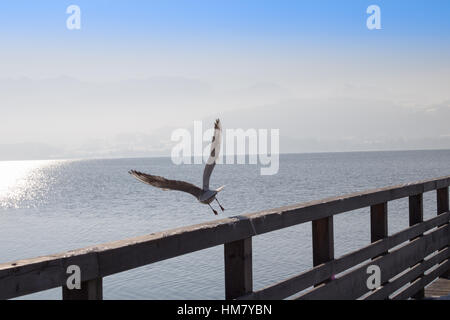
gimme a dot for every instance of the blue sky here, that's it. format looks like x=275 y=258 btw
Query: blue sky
x=282 y=29
x=130 y=64
x=232 y=20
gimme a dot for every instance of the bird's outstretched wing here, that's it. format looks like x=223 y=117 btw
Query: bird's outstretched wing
x=166 y=184
x=215 y=151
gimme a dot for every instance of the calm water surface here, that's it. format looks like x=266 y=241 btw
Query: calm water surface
x=53 y=206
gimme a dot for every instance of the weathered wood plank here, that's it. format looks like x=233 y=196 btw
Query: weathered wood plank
x=295 y=284
x=110 y=258
x=238 y=268
x=416 y=216
x=353 y=284
x=411 y=276
x=29 y=276
x=422 y=282
x=90 y=290
x=438 y=288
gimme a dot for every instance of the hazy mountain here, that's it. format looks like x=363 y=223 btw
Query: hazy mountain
x=67 y=118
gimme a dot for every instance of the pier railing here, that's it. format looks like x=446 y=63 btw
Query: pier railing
x=408 y=260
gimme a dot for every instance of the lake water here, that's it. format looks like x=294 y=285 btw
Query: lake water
x=54 y=206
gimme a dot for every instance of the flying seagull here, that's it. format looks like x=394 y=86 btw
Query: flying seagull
x=205 y=195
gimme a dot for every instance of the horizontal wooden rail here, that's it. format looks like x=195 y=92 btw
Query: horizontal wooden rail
x=422 y=282
x=353 y=284
x=320 y=273
x=38 y=274
x=415 y=273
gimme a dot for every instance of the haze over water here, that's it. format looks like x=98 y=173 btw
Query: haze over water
x=48 y=207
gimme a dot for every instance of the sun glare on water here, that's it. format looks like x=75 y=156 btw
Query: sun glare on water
x=20 y=179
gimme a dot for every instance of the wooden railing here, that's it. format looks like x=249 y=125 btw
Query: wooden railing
x=408 y=260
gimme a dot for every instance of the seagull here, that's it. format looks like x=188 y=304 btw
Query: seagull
x=204 y=195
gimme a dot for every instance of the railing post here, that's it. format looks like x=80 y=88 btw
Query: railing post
x=378 y=221
x=415 y=217
x=238 y=268
x=323 y=241
x=442 y=200
x=90 y=290
x=443 y=207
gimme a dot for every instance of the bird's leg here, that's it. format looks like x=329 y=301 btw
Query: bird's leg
x=215 y=212
x=220 y=205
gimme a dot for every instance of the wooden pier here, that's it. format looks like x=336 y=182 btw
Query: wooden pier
x=409 y=260
x=439 y=289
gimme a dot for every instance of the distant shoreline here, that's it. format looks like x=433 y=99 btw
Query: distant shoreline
x=168 y=156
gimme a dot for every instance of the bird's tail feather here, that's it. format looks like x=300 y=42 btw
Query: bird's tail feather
x=220 y=189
